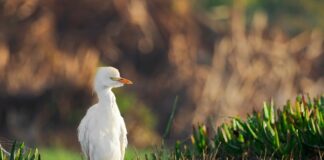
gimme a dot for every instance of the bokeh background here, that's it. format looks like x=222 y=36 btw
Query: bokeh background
x=222 y=58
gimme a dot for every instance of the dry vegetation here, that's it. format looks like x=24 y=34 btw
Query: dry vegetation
x=218 y=66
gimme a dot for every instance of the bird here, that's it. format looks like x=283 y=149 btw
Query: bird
x=102 y=131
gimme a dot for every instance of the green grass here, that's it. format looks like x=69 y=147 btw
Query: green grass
x=20 y=152
x=59 y=153
x=55 y=153
x=133 y=153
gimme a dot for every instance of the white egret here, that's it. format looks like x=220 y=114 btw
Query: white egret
x=102 y=131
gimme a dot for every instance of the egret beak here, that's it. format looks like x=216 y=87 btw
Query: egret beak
x=124 y=81
x=121 y=80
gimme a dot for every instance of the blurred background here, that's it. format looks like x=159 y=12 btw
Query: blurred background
x=222 y=58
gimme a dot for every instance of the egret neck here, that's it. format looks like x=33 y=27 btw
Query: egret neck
x=106 y=98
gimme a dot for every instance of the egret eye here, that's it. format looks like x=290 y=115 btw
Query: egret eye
x=114 y=78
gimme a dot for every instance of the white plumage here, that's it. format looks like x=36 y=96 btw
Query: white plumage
x=102 y=131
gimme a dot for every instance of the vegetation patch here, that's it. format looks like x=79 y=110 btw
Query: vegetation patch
x=19 y=152
x=294 y=132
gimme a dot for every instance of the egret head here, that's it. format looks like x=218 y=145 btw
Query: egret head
x=109 y=77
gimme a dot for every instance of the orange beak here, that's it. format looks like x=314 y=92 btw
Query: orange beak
x=125 y=81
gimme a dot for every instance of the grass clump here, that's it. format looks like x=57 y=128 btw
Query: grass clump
x=19 y=152
x=294 y=132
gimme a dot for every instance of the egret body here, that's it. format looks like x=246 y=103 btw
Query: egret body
x=102 y=131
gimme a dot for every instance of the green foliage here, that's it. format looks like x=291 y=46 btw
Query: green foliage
x=132 y=108
x=291 y=15
x=18 y=152
x=295 y=132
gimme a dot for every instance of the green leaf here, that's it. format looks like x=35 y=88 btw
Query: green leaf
x=12 y=152
x=266 y=111
x=276 y=136
x=20 y=151
x=1 y=155
x=251 y=131
x=169 y=124
x=240 y=138
x=272 y=114
x=227 y=132
x=223 y=135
